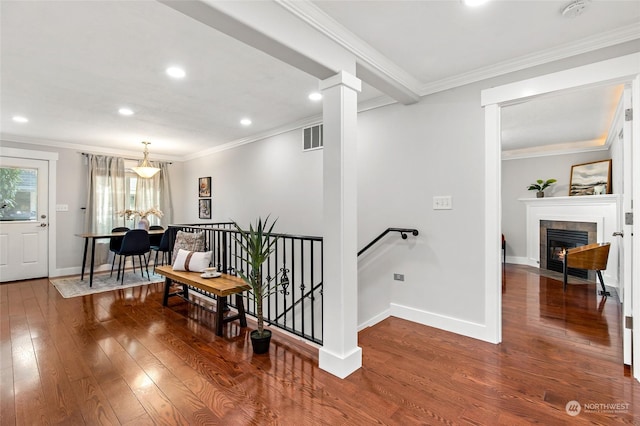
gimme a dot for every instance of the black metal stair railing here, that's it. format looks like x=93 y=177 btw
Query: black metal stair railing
x=297 y=304
x=403 y=232
x=296 y=264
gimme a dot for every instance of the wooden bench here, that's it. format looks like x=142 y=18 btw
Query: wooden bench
x=220 y=287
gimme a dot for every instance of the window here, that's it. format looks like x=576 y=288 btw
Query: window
x=18 y=193
x=130 y=185
x=115 y=188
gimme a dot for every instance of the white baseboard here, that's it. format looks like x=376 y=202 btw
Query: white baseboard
x=62 y=272
x=520 y=260
x=376 y=319
x=76 y=270
x=454 y=325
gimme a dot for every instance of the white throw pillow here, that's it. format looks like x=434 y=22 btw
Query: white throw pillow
x=194 y=261
x=191 y=241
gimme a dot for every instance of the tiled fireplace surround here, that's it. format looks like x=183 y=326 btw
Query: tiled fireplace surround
x=596 y=214
x=589 y=227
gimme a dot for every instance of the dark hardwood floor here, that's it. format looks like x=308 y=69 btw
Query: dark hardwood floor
x=121 y=358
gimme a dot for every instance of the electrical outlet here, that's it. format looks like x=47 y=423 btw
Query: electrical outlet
x=398 y=277
x=442 y=202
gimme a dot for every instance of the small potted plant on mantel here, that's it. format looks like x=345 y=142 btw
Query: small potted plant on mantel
x=540 y=186
x=257 y=244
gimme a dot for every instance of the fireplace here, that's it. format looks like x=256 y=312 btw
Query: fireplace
x=556 y=236
x=598 y=215
x=559 y=240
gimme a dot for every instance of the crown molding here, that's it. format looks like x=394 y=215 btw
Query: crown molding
x=548 y=151
x=366 y=55
x=370 y=104
x=381 y=65
x=588 y=44
x=52 y=143
x=305 y=122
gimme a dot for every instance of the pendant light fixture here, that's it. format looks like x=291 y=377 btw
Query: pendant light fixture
x=145 y=169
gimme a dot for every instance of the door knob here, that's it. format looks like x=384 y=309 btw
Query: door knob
x=618 y=234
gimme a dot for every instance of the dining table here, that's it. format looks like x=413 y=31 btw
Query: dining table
x=93 y=236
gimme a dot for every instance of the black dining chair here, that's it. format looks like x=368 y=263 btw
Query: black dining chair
x=134 y=243
x=164 y=247
x=155 y=239
x=114 y=245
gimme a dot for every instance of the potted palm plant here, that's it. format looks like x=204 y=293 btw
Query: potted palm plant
x=256 y=246
x=540 y=186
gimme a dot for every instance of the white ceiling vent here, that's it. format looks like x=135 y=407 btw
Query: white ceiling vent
x=312 y=138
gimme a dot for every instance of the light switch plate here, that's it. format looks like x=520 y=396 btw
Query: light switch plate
x=62 y=207
x=442 y=202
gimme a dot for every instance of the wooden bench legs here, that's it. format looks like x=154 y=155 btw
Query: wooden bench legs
x=220 y=305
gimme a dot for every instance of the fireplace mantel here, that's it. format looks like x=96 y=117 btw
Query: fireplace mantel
x=585 y=200
x=600 y=209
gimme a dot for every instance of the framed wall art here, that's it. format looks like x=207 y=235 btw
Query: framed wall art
x=204 y=187
x=591 y=178
x=204 y=208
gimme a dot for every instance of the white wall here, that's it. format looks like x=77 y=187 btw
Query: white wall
x=271 y=177
x=407 y=155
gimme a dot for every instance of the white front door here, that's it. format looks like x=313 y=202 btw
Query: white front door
x=24 y=233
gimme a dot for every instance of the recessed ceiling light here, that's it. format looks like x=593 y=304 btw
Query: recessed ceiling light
x=125 y=111
x=245 y=122
x=20 y=119
x=176 y=72
x=474 y=3
x=315 y=96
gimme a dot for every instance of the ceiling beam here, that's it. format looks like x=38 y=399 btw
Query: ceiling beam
x=272 y=30
x=301 y=35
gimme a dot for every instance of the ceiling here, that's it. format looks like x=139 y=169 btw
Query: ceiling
x=68 y=66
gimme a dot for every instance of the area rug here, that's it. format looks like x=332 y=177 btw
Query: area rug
x=73 y=287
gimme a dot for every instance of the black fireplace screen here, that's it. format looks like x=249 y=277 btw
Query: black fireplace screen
x=559 y=240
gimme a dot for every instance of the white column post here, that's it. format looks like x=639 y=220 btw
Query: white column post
x=340 y=354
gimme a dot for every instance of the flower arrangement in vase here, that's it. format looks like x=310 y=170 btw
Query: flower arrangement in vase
x=143 y=223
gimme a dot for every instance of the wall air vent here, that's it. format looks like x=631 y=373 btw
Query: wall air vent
x=312 y=138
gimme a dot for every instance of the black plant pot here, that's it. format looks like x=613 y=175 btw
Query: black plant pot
x=260 y=344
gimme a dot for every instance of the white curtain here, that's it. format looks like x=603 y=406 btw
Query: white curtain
x=156 y=192
x=106 y=194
